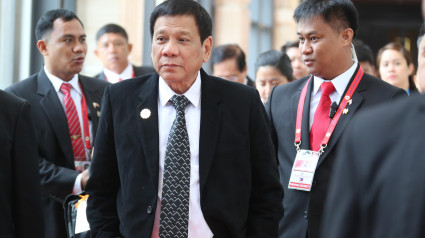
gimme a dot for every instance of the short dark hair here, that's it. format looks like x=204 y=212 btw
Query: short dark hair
x=45 y=23
x=276 y=59
x=111 y=28
x=339 y=13
x=364 y=52
x=184 y=7
x=290 y=44
x=421 y=34
x=229 y=51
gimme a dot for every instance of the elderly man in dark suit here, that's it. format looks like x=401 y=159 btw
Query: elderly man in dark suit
x=20 y=205
x=177 y=154
x=65 y=108
x=113 y=49
x=377 y=188
x=308 y=116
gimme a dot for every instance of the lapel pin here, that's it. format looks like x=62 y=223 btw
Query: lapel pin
x=345 y=111
x=145 y=113
x=96 y=105
x=350 y=101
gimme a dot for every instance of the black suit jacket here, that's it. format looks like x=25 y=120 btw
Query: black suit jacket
x=138 y=71
x=20 y=196
x=303 y=210
x=56 y=165
x=240 y=191
x=377 y=189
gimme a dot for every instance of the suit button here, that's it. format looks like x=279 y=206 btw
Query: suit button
x=305 y=214
x=149 y=210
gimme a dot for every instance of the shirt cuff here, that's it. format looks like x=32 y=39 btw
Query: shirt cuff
x=77 y=185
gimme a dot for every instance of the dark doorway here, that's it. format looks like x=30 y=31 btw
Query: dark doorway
x=384 y=21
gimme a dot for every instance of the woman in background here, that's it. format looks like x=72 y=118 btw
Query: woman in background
x=395 y=66
x=272 y=68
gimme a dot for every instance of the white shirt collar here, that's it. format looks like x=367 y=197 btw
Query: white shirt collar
x=193 y=94
x=57 y=82
x=126 y=74
x=340 y=82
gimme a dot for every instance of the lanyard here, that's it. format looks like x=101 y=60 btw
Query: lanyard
x=85 y=121
x=335 y=119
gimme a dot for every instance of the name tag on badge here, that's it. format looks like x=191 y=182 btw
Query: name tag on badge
x=303 y=170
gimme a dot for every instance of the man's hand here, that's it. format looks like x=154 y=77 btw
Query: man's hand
x=84 y=177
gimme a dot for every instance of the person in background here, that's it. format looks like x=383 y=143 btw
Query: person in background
x=65 y=108
x=113 y=49
x=180 y=153
x=377 y=188
x=298 y=67
x=365 y=57
x=272 y=68
x=228 y=62
x=307 y=129
x=396 y=67
x=20 y=206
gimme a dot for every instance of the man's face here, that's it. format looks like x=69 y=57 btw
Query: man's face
x=322 y=47
x=113 y=50
x=228 y=69
x=368 y=68
x=177 y=52
x=297 y=63
x=64 y=49
x=420 y=74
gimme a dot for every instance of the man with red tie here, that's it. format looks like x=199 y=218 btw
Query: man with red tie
x=306 y=128
x=113 y=49
x=65 y=108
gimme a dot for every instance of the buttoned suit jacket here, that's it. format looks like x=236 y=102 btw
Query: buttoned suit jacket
x=20 y=206
x=239 y=185
x=56 y=164
x=138 y=71
x=303 y=210
x=376 y=190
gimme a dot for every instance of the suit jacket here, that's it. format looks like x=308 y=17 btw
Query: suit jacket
x=377 y=189
x=250 y=82
x=303 y=210
x=239 y=186
x=20 y=196
x=56 y=165
x=138 y=71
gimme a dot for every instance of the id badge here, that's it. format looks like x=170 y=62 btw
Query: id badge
x=303 y=170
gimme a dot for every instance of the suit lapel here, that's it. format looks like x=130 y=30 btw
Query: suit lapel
x=357 y=100
x=305 y=131
x=148 y=128
x=93 y=99
x=56 y=115
x=210 y=120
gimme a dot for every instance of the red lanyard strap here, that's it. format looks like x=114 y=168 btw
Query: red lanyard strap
x=334 y=121
x=85 y=116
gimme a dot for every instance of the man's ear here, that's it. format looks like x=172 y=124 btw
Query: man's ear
x=130 y=47
x=207 y=45
x=347 y=36
x=42 y=47
x=96 y=52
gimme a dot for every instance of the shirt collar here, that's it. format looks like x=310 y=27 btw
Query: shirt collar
x=193 y=94
x=340 y=82
x=57 y=82
x=125 y=74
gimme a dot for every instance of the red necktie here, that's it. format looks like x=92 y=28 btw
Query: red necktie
x=73 y=124
x=321 y=117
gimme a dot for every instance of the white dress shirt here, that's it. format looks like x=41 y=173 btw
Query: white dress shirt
x=198 y=227
x=340 y=83
x=113 y=77
x=76 y=94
